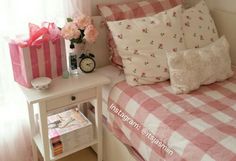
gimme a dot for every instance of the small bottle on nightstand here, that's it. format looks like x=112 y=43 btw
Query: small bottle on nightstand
x=73 y=63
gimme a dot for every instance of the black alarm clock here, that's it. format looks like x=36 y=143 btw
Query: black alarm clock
x=87 y=63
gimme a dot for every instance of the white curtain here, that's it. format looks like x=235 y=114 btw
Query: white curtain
x=15 y=16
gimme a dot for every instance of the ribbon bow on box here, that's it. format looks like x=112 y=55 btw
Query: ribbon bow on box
x=38 y=35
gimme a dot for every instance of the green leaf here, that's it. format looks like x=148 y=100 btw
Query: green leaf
x=78 y=40
x=69 y=19
x=75 y=41
x=72 y=46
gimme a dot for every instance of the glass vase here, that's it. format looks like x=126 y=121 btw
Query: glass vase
x=73 y=63
x=73 y=56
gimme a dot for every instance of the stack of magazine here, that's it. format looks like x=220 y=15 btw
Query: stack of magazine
x=68 y=130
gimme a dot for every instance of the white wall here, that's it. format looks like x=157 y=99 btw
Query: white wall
x=225 y=5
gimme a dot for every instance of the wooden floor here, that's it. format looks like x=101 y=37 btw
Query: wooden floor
x=83 y=155
x=15 y=142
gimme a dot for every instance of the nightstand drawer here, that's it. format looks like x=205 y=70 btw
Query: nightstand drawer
x=71 y=99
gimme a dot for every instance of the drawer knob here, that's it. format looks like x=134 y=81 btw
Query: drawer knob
x=73 y=98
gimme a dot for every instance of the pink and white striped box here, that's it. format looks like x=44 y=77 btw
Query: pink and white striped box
x=45 y=60
x=41 y=55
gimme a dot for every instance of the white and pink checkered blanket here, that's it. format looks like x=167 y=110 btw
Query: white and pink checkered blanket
x=160 y=125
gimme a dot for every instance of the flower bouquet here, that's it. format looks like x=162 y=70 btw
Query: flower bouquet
x=79 y=30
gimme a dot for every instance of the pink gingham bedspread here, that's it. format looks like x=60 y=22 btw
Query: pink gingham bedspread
x=159 y=125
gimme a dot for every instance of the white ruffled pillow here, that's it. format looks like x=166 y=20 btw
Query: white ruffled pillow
x=194 y=67
x=142 y=44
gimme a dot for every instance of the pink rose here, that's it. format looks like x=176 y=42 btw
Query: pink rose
x=82 y=21
x=90 y=34
x=70 y=31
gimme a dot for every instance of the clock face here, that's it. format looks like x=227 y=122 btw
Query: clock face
x=87 y=65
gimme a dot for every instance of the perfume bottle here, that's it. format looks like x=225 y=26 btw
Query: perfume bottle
x=73 y=64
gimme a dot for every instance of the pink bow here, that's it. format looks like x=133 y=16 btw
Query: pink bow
x=38 y=35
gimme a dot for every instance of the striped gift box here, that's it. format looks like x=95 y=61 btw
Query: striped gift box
x=45 y=60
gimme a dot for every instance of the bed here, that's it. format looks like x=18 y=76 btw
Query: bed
x=215 y=104
x=210 y=120
x=176 y=127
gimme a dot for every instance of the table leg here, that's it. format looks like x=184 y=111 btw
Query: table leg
x=32 y=130
x=44 y=130
x=98 y=119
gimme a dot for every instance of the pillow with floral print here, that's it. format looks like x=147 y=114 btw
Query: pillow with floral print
x=128 y=10
x=198 y=26
x=143 y=42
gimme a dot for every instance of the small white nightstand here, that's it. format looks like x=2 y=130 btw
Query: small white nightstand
x=61 y=94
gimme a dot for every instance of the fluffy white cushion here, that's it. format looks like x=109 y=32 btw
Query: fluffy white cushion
x=143 y=42
x=194 y=67
x=199 y=27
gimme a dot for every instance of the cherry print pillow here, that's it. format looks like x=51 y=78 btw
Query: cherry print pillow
x=128 y=10
x=143 y=42
x=198 y=26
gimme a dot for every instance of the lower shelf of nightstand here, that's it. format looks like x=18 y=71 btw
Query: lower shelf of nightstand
x=38 y=142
